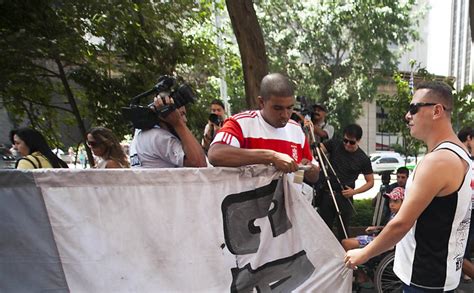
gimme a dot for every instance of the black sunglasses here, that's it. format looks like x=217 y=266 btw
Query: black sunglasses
x=352 y=142
x=415 y=107
x=93 y=144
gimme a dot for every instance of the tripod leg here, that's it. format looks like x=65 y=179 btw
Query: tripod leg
x=333 y=196
x=343 y=224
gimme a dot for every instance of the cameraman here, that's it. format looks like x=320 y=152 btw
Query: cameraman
x=169 y=144
x=322 y=130
x=216 y=119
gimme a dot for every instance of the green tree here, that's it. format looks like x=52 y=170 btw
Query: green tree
x=77 y=64
x=463 y=108
x=336 y=51
x=395 y=107
x=39 y=41
x=142 y=40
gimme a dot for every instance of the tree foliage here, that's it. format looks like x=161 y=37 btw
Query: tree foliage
x=396 y=107
x=39 y=41
x=336 y=51
x=109 y=51
x=463 y=108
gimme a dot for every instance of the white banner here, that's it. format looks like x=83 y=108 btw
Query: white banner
x=170 y=230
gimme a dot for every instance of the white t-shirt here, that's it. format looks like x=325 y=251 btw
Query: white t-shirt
x=156 y=148
x=328 y=128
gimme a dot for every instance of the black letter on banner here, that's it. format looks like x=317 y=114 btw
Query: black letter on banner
x=240 y=210
x=283 y=275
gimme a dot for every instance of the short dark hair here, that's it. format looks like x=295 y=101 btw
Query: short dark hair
x=465 y=132
x=276 y=85
x=403 y=170
x=218 y=102
x=442 y=91
x=353 y=130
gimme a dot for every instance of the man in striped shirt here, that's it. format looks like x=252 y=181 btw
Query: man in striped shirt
x=267 y=136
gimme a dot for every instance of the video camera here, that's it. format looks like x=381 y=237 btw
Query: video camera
x=144 y=117
x=302 y=106
x=214 y=118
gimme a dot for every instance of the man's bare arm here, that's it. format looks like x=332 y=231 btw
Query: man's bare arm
x=369 y=183
x=193 y=153
x=320 y=132
x=426 y=185
x=224 y=155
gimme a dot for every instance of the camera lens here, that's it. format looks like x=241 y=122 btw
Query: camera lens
x=183 y=95
x=214 y=118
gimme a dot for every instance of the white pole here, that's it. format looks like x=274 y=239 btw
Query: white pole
x=222 y=71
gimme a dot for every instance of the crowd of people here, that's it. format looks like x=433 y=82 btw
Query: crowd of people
x=429 y=230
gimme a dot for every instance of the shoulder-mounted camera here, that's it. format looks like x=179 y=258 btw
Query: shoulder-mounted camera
x=215 y=119
x=143 y=117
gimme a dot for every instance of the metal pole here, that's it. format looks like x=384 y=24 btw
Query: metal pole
x=221 y=63
x=331 y=191
x=317 y=151
x=337 y=178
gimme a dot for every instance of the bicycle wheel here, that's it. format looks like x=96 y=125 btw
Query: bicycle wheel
x=385 y=279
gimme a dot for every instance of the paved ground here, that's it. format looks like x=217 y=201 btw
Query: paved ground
x=463 y=288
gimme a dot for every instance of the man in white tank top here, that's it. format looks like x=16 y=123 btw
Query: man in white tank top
x=431 y=228
x=466 y=135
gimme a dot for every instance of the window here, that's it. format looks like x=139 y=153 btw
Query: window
x=374 y=158
x=388 y=160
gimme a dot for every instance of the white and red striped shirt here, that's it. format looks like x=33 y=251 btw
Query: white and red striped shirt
x=250 y=131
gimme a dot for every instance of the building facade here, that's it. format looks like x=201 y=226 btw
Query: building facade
x=444 y=49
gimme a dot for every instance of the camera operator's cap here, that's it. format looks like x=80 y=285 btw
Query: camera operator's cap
x=320 y=106
x=396 y=193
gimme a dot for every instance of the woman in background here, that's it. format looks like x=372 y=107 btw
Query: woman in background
x=106 y=146
x=34 y=149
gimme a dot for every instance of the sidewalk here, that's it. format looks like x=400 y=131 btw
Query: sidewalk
x=463 y=288
x=77 y=166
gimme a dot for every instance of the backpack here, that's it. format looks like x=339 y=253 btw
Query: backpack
x=31 y=162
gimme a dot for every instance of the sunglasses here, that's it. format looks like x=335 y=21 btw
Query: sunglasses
x=93 y=144
x=351 y=142
x=415 y=107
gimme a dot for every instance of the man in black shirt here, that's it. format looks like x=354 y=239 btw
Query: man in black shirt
x=348 y=161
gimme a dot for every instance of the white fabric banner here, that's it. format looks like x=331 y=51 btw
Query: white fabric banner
x=188 y=230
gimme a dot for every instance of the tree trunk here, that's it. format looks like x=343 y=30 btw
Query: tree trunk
x=74 y=108
x=251 y=46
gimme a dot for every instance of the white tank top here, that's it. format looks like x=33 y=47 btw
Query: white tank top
x=431 y=253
